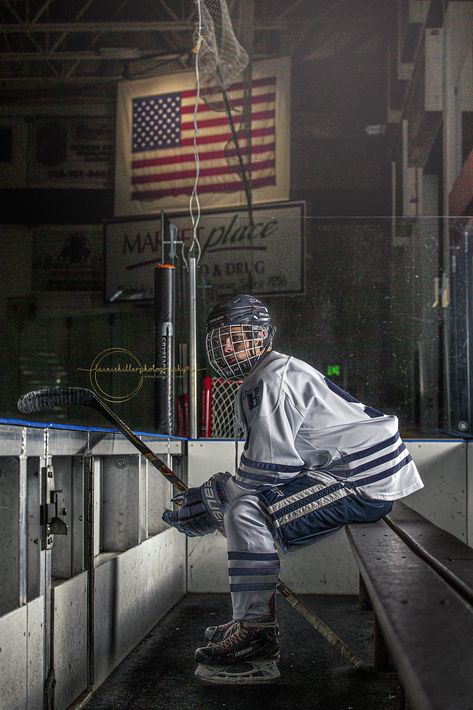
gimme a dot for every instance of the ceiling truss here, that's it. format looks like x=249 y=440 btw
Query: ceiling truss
x=75 y=43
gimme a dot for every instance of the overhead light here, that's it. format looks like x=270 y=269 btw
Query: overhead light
x=119 y=53
x=376 y=129
x=116 y=295
x=132 y=294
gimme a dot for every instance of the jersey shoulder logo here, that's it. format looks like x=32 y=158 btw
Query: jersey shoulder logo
x=253 y=396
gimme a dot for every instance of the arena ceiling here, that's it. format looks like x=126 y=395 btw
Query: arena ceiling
x=51 y=46
x=57 y=53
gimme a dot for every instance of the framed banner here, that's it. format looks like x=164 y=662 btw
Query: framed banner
x=270 y=251
x=155 y=164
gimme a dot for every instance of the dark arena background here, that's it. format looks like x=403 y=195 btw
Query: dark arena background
x=158 y=157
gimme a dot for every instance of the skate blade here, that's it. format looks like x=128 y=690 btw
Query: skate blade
x=239 y=673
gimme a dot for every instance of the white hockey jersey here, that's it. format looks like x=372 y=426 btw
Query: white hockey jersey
x=296 y=420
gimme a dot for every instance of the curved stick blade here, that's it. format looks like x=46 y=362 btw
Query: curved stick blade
x=51 y=397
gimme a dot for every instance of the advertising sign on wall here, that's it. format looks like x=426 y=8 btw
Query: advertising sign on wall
x=71 y=152
x=67 y=257
x=269 y=253
x=13 y=151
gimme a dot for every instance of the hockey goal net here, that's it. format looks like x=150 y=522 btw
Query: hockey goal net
x=218 y=399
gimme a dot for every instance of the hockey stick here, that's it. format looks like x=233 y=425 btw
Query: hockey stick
x=41 y=400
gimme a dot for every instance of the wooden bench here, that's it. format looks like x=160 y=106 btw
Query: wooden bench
x=419 y=580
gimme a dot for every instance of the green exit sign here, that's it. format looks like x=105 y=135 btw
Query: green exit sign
x=333 y=370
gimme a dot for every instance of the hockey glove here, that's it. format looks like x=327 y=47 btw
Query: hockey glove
x=193 y=518
x=216 y=496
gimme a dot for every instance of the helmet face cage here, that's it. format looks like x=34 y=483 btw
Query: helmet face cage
x=235 y=350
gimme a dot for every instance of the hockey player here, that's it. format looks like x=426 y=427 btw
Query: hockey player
x=315 y=459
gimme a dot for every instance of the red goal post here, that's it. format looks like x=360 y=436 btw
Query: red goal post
x=218 y=399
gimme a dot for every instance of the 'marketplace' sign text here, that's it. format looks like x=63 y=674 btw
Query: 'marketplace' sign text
x=264 y=254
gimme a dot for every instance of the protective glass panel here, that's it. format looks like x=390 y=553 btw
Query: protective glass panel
x=380 y=306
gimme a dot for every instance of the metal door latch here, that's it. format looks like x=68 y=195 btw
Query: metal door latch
x=51 y=520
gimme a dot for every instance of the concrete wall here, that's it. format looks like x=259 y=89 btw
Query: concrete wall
x=46 y=599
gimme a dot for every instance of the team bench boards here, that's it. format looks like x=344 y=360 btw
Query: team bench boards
x=419 y=579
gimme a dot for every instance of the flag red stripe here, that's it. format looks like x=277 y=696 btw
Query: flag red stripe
x=224 y=187
x=208 y=155
x=205 y=172
x=225 y=137
x=210 y=122
x=260 y=99
x=267 y=81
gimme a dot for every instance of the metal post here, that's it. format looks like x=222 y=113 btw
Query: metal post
x=192 y=348
x=393 y=201
x=46 y=474
x=164 y=339
x=23 y=523
x=89 y=542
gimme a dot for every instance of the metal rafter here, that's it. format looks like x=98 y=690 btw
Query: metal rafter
x=193 y=13
x=41 y=11
x=81 y=12
x=165 y=37
x=42 y=52
x=80 y=56
x=136 y=26
x=93 y=27
x=34 y=81
x=164 y=4
x=95 y=39
x=27 y=32
x=22 y=25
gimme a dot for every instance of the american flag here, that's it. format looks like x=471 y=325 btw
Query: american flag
x=162 y=153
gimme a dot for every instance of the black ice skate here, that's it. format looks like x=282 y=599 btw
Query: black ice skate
x=215 y=634
x=247 y=654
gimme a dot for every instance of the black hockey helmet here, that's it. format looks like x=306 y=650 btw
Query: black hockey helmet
x=239 y=333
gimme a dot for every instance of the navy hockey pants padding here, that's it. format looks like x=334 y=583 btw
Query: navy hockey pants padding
x=253 y=522
x=307 y=509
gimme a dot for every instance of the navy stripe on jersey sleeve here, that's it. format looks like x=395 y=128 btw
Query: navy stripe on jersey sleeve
x=371 y=449
x=383 y=474
x=350 y=472
x=264 y=466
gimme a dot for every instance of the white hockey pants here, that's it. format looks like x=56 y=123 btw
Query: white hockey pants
x=253 y=562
